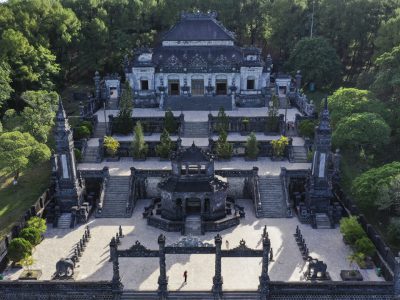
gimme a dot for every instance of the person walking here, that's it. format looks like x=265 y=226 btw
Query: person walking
x=185 y=276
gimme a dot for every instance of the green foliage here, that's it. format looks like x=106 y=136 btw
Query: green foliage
x=19 y=150
x=307 y=128
x=317 y=60
x=81 y=132
x=27 y=262
x=170 y=123
x=224 y=149
x=111 y=145
x=366 y=187
x=388 y=34
x=252 y=146
x=87 y=124
x=123 y=122
x=164 y=149
x=361 y=130
x=358 y=258
x=351 y=230
x=18 y=249
x=346 y=101
x=78 y=155
x=31 y=234
x=139 y=146
x=37 y=223
x=222 y=121
x=273 y=118
x=278 y=146
x=12 y=120
x=389 y=195
x=394 y=230
x=5 y=81
x=364 y=246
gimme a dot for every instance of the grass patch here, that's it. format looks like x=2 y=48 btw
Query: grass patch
x=15 y=200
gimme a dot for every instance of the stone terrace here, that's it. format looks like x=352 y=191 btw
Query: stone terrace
x=238 y=273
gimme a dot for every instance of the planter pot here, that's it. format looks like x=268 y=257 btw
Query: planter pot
x=351 y=275
x=30 y=275
x=111 y=159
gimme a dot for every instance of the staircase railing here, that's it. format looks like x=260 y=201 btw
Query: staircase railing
x=83 y=148
x=132 y=193
x=257 y=196
x=106 y=176
x=289 y=213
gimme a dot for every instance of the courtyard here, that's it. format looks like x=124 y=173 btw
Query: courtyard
x=238 y=273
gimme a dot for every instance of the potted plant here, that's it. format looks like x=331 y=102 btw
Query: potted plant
x=111 y=146
x=139 y=146
x=252 y=147
x=278 y=147
x=245 y=126
x=164 y=149
x=224 y=148
x=170 y=123
x=28 y=273
x=18 y=249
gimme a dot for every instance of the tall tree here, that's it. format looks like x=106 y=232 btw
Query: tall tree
x=5 y=80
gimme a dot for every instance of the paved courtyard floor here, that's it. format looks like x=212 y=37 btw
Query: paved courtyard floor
x=238 y=273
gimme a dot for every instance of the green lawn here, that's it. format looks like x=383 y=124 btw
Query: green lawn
x=15 y=200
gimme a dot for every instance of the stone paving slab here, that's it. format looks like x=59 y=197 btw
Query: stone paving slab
x=238 y=274
x=265 y=165
x=200 y=116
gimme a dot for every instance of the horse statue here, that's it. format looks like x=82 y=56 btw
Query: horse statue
x=65 y=267
x=316 y=269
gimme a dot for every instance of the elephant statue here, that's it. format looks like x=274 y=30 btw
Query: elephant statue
x=316 y=269
x=65 y=267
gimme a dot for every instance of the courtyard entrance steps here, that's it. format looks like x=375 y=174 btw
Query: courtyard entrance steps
x=64 y=221
x=116 y=197
x=193 y=225
x=91 y=154
x=196 y=129
x=273 y=203
x=100 y=130
x=183 y=295
x=299 y=154
x=322 y=221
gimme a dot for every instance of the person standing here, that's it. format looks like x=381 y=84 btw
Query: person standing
x=185 y=276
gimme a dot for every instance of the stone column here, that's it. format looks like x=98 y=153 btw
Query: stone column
x=97 y=85
x=217 y=280
x=263 y=288
x=298 y=81
x=396 y=278
x=116 y=280
x=162 y=279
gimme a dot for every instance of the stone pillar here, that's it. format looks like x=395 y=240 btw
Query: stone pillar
x=263 y=288
x=217 y=280
x=113 y=249
x=116 y=280
x=396 y=279
x=162 y=279
x=298 y=81
x=97 y=85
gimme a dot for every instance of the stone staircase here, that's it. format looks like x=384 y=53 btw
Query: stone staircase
x=193 y=225
x=196 y=129
x=322 y=221
x=115 y=198
x=192 y=295
x=64 y=221
x=299 y=154
x=273 y=204
x=90 y=154
x=100 y=130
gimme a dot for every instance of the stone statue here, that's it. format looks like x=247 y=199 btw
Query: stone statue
x=65 y=268
x=316 y=270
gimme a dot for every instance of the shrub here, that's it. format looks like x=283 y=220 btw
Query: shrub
x=139 y=146
x=365 y=246
x=87 y=124
x=252 y=146
x=164 y=148
x=81 y=132
x=170 y=123
x=38 y=223
x=306 y=128
x=351 y=230
x=78 y=155
x=278 y=146
x=224 y=148
x=358 y=258
x=394 y=230
x=222 y=121
x=18 y=249
x=31 y=234
x=111 y=145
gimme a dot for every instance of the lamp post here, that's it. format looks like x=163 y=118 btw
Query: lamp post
x=105 y=115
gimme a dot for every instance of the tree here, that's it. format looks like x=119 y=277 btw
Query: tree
x=346 y=101
x=272 y=122
x=366 y=131
x=37 y=223
x=366 y=186
x=307 y=128
x=394 y=230
x=252 y=146
x=222 y=121
x=165 y=147
x=18 y=249
x=5 y=81
x=139 y=146
x=38 y=116
x=388 y=34
x=279 y=146
x=123 y=122
x=169 y=122
x=351 y=229
x=19 y=150
x=317 y=60
x=389 y=195
x=32 y=235
x=224 y=148
x=111 y=145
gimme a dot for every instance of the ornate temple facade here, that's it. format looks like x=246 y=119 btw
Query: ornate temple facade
x=198 y=57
